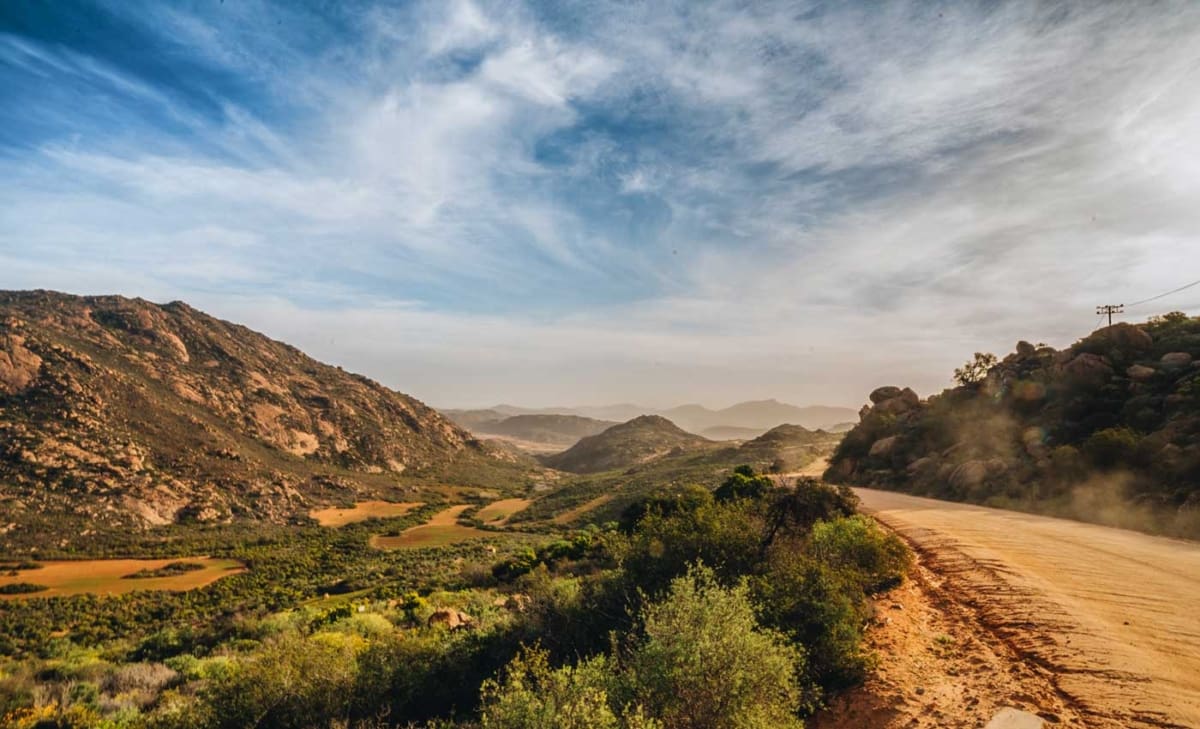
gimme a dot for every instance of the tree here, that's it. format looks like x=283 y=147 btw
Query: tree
x=743 y=483
x=705 y=661
x=973 y=372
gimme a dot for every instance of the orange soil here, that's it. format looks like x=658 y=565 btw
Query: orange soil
x=441 y=529
x=1105 y=616
x=105 y=576
x=363 y=510
x=499 y=512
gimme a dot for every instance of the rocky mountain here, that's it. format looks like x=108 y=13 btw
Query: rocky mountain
x=118 y=411
x=643 y=439
x=1107 y=429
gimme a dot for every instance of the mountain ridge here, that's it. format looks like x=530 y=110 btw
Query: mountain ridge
x=119 y=411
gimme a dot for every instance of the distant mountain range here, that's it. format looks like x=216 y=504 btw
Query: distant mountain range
x=741 y=421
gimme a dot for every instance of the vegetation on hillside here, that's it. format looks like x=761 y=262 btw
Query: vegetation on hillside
x=738 y=606
x=1106 y=430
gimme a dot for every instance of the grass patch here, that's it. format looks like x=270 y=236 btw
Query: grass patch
x=108 y=576
x=363 y=510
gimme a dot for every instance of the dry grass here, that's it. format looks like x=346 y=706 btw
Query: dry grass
x=363 y=510
x=571 y=515
x=499 y=512
x=441 y=529
x=106 y=576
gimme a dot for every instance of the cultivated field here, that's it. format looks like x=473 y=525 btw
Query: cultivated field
x=441 y=529
x=572 y=514
x=108 y=576
x=363 y=510
x=499 y=512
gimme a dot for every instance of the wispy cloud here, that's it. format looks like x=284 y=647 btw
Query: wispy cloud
x=598 y=201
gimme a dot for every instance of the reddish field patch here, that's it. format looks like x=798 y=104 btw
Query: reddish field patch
x=363 y=510
x=441 y=529
x=107 y=576
x=499 y=512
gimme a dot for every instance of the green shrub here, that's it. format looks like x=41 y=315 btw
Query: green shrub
x=704 y=660
x=743 y=483
x=857 y=547
x=531 y=695
x=1111 y=447
x=21 y=588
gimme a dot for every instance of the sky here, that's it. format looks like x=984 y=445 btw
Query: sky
x=557 y=203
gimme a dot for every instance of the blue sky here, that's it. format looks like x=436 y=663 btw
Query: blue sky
x=579 y=202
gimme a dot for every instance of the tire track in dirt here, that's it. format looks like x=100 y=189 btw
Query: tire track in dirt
x=1111 y=616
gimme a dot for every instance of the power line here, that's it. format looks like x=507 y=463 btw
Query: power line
x=1172 y=291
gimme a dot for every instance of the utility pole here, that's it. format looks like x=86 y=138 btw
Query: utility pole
x=1110 y=309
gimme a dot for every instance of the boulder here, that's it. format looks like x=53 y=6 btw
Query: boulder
x=883 y=447
x=894 y=406
x=1122 y=336
x=1010 y=718
x=882 y=394
x=1025 y=349
x=920 y=466
x=18 y=365
x=1089 y=370
x=451 y=619
x=910 y=396
x=969 y=474
x=1176 y=360
x=1141 y=373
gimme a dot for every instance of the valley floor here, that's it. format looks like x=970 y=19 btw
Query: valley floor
x=1089 y=625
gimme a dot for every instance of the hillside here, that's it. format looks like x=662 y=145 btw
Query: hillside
x=540 y=428
x=563 y=430
x=1106 y=430
x=782 y=450
x=643 y=439
x=123 y=412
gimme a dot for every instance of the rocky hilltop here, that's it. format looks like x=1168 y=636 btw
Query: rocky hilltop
x=645 y=438
x=118 y=411
x=1107 y=429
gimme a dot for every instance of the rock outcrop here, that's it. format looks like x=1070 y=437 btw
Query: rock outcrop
x=121 y=412
x=1121 y=406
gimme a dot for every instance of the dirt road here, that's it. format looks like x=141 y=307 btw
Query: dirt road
x=1111 y=616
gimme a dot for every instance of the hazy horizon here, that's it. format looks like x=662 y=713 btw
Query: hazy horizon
x=551 y=203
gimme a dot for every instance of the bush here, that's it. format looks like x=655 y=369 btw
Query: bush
x=858 y=548
x=21 y=588
x=1111 y=447
x=743 y=483
x=816 y=608
x=705 y=661
x=531 y=695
